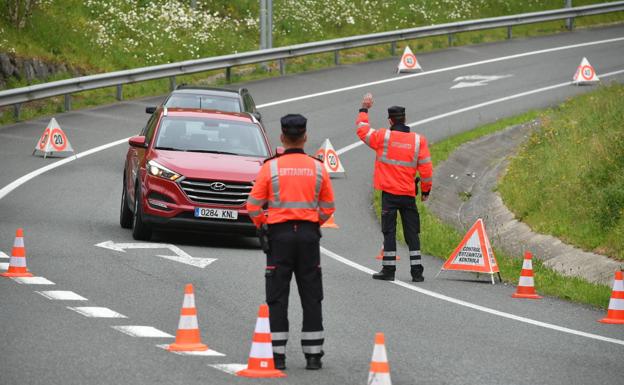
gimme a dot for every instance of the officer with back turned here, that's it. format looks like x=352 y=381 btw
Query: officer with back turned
x=400 y=155
x=298 y=194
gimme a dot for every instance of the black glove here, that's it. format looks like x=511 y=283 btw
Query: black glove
x=263 y=236
x=416 y=181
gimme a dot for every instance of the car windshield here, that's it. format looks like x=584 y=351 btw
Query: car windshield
x=211 y=136
x=212 y=102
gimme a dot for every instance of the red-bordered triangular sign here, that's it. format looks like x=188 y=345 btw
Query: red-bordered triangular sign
x=474 y=252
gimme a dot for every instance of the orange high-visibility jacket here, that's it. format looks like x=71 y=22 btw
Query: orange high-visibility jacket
x=294 y=186
x=399 y=156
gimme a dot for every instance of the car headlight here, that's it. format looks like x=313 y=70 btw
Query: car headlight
x=161 y=171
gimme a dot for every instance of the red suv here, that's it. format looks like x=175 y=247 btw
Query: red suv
x=192 y=169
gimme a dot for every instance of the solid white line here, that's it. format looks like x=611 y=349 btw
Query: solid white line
x=96 y=312
x=205 y=353
x=33 y=281
x=62 y=295
x=142 y=331
x=472 y=305
x=445 y=69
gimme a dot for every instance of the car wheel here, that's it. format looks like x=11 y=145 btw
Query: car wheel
x=141 y=231
x=125 y=214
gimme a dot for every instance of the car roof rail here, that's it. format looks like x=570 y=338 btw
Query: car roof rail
x=185 y=86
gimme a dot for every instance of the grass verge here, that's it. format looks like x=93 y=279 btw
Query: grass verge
x=440 y=239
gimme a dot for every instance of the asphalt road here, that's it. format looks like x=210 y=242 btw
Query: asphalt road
x=450 y=330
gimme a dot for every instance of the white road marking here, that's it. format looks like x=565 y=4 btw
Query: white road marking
x=181 y=256
x=62 y=295
x=142 y=331
x=230 y=368
x=479 y=105
x=3 y=255
x=4 y=266
x=205 y=353
x=445 y=69
x=470 y=305
x=476 y=80
x=33 y=281
x=96 y=312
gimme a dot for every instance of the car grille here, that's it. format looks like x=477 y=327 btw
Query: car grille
x=200 y=191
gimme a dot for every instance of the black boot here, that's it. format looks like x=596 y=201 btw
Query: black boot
x=280 y=361
x=386 y=274
x=417 y=273
x=313 y=361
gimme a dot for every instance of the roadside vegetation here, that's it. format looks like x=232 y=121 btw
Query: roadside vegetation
x=440 y=239
x=96 y=36
x=568 y=179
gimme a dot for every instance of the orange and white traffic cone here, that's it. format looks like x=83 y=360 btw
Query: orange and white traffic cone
x=379 y=369
x=615 y=314
x=330 y=223
x=188 y=338
x=380 y=255
x=526 y=286
x=17 y=263
x=261 y=364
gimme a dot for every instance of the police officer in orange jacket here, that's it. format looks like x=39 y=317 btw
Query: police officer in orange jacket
x=299 y=198
x=400 y=155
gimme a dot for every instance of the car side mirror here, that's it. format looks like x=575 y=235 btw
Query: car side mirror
x=137 y=141
x=279 y=150
x=257 y=115
x=150 y=109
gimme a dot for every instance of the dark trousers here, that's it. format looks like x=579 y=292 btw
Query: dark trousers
x=295 y=248
x=406 y=206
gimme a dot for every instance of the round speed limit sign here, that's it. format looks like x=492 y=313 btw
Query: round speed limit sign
x=58 y=139
x=44 y=138
x=409 y=60
x=332 y=160
x=587 y=72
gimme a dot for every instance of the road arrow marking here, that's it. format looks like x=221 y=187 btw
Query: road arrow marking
x=476 y=80
x=180 y=255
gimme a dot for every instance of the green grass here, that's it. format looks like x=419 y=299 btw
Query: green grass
x=107 y=35
x=568 y=180
x=440 y=239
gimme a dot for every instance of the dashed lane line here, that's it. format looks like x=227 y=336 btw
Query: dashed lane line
x=61 y=295
x=96 y=312
x=205 y=353
x=3 y=255
x=4 y=266
x=142 y=331
x=33 y=281
x=230 y=368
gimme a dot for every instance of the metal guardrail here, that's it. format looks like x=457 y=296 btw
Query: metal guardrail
x=66 y=87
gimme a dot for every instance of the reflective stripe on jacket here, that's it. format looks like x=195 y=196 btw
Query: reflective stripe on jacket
x=399 y=156
x=294 y=186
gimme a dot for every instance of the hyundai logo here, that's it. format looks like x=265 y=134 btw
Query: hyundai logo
x=217 y=186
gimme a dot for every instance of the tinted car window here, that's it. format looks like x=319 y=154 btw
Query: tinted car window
x=148 y=130
x=210 y=135
x=212 y=102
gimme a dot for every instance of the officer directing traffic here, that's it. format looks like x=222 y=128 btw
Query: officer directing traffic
x=400 y=155
x=299 y=196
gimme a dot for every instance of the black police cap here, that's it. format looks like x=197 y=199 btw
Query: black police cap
x=396 y=112
x=293 y=124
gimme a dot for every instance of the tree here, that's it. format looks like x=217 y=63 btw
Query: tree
x=19 y=11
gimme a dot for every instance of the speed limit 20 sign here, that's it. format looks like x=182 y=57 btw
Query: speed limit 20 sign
x=53 y=142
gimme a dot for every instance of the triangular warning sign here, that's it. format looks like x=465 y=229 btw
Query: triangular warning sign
x=53 y=142
x=474 y=253
x=330 y=159
x=408 y=62
x=585 y=73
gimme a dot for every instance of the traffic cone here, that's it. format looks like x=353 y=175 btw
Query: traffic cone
x=379 y=369
x=615 y=314
x=17 y=263
x=526 y=287
x=330 y=223
x=380 y=255
x=188 y=338
x=261 y=364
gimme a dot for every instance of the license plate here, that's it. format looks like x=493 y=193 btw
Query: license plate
x=202 y=212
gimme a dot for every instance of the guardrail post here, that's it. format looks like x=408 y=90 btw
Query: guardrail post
x=570 y=21
x=450 y=39
x=172 y=83
x=68 y=102
x=119 y=92
x=337 y=58
x=509 y=33
x=17 y=108
x=393 y=48
x=282 y=65
x=228 y=74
